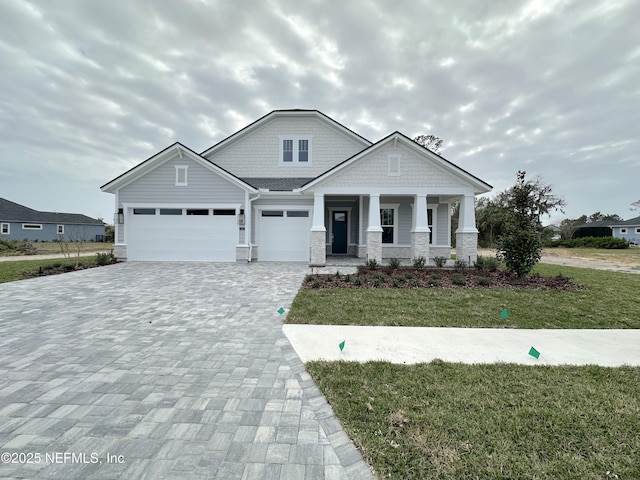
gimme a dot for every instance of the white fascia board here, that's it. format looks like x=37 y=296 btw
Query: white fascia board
x=432 y=191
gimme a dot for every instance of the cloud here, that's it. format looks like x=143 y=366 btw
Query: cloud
x=89 y=89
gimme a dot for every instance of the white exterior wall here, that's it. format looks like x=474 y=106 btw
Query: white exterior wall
x=257 y=154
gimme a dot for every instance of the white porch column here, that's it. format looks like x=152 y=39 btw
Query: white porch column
x=420 y=231
x=467 y=233
x=318 y=232
x=374 y=231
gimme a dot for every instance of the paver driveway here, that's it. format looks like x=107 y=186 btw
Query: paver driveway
x=161 y=370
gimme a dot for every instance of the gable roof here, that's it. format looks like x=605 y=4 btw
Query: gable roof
x=285 y=113
x=480 y=185
x=632 y=222
x=165 y=155
x=14 y=212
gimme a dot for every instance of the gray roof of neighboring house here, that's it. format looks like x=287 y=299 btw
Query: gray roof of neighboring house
x=277 y=184
x=598 y=224
x=632 y=222
x=14 y=212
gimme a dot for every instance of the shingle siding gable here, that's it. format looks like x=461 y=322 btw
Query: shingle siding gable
x=257 y=154
x=159 y=185
x=373 y=169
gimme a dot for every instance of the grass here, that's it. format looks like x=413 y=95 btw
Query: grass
x=11 y=271
x=454 y=421
x=610 y=300
x=49 y=248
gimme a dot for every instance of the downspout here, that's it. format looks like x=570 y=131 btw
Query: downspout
x=248 y=225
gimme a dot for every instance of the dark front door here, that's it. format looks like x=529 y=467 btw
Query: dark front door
x=339 y=230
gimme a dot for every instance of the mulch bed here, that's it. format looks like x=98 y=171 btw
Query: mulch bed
x=408 y=277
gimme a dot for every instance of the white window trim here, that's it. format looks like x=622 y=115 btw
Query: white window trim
x=296 y=153
x=394 y=165
x=623 y=231
x=395 y=207
x=60 y=230
x=185 y=169
x=32 y=226
x=8 y=228
x=432 y=227
x=637 y=229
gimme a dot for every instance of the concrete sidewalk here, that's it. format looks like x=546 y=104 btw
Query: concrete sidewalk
x=410 y=345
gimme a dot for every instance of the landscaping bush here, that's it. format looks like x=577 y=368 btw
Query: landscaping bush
x=459 y=265
x=440 y=261
x=592 y=242
x=394 y=263
x=458 y=279
x=105 y=258
x=419 y=262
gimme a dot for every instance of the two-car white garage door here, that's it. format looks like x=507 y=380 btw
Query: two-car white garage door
x=211 y=234
x=181 y=234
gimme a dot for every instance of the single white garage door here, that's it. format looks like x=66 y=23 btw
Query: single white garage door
x=284 y=235
x=181 y=234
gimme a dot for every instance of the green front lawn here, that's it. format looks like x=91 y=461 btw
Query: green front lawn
x=610 y=300
x=11 y=271
x=453 y=421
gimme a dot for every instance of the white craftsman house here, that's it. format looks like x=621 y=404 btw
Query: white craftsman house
x=294 y=185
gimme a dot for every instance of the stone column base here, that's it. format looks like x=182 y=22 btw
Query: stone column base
x=318 y=247
x=242 y=253
x=374 y=246
x=420 y=245
x=467 y=247
x=120 y=252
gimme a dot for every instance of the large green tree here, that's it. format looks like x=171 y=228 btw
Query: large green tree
x=520 y=246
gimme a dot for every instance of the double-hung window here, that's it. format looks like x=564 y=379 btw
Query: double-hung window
x=295 y=150
x=388 y=224
x=5 y=229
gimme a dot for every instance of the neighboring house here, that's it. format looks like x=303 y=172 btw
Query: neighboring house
x=601 y=228
x=18 y=222
x=295 y=185
x=628 y=229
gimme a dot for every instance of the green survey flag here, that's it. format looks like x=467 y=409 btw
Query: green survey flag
x=534 y=353
x=341 y=345
x=281 y=310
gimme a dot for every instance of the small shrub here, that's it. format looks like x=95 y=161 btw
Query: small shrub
x=314 y=284
x=105 y=258
x=491 y=264
x=377 y=283
x=440 y=261
x=372 y=264
x=358 y=280
x=419 y=262
x=397 y=282
x=459 y=265
x=394 y=263
x=483 y=281
x=480 y=263
x=381 y=277
x=434 y=280
x=458 y=279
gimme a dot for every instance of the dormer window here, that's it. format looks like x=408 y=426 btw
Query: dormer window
x=295 y=150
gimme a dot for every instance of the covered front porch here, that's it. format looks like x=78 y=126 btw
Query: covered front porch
x=383 y=225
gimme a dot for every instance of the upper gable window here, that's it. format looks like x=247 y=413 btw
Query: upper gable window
x=295 y=150
x=5 y=229
x=181 y=175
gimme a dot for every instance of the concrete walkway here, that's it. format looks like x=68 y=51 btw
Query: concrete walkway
x=162 y=370
x=410 y=345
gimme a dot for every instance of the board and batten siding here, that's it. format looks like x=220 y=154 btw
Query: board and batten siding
x=257 y=153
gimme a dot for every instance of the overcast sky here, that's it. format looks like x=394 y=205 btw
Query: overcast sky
x=90 y=88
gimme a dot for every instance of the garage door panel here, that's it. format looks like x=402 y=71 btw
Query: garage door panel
x=182 y=238
x=284 y=238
